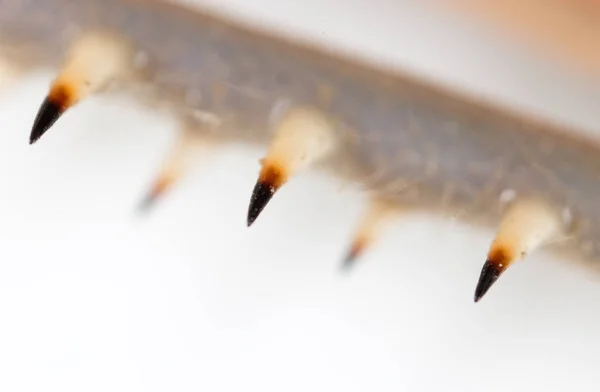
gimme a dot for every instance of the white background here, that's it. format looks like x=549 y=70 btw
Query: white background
x=93 y=298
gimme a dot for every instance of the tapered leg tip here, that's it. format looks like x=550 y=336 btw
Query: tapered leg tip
x=47 y=115
x=351 y=258
x=145 y=205
x=489 y=274
x=347 y=266
x=261 y=195
x=154 y=195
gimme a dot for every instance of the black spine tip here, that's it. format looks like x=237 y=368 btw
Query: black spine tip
x=489 y=274
x=350 y=260
x=261 y=195
x=47 y=115
x=146 y=204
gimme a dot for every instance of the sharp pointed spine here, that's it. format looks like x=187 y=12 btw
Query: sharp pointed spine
x=356 y=249
x=491 y=271
x=93 y=61
x=378 y=214
x=188 y=147
x=303 y=137
x=526 y=226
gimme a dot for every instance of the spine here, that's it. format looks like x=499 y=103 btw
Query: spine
x=412 y=146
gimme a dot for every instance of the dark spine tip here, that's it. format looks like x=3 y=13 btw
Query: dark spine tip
x=146 y=203
x=47 y=115
x=351 y=258
x=153 y=195
x=261 y=195
x=489 y=274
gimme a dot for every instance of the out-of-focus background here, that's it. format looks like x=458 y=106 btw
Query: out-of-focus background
x=95 y=298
